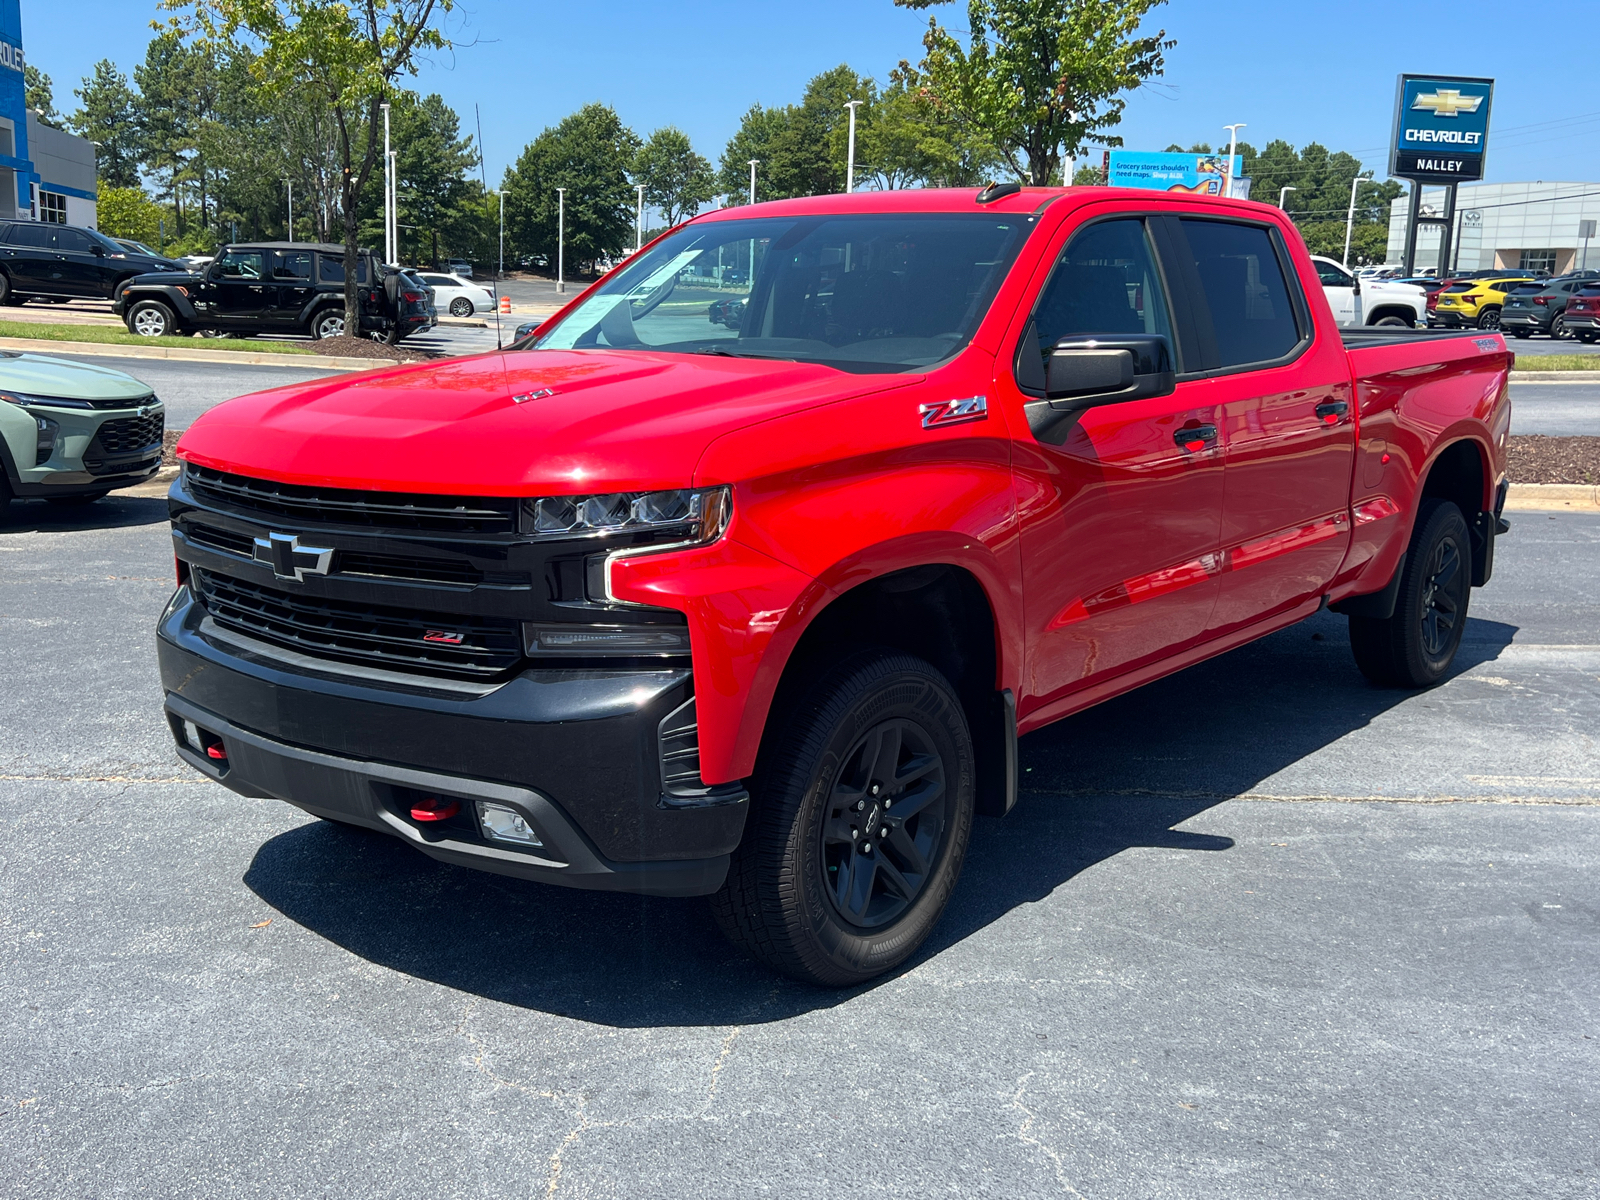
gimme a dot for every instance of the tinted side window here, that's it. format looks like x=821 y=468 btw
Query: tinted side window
x=1331 y=275
x=329 y=270
x=32 y=235
x=74 y=241
x=293 y=264
x=1105 y=282
x=1251 y=309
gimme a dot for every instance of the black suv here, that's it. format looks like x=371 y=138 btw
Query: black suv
x=65 y=262
x=274 y=287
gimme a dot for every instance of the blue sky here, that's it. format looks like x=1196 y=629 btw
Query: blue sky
x=1287 y=68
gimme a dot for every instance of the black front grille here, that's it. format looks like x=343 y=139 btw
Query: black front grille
x=453 y=571
x=128 y=436
x=430 y=643
x=342 y=506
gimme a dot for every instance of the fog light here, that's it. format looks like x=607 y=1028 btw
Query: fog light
x=191 y=733
x=503 y=824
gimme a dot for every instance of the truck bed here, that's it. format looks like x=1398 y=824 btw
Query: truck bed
x=1375 y=352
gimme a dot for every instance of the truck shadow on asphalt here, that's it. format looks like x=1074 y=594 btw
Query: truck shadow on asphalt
x=1126 y=774
x=112 y=512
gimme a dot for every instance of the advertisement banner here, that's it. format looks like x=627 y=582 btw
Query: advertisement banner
x=1196 y=174
x=1441 y=128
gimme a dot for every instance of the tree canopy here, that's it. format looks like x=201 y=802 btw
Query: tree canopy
x=588 y=155
x=676 y=179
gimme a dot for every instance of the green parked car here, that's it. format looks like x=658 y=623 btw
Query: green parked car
x=70 y=432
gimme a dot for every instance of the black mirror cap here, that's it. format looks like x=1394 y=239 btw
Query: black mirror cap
x=1085 y=371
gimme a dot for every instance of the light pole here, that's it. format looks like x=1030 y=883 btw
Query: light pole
x=638 y=225
x=753 y=163
x=1233 y=144
x=290 y=182
x=1350 y=220
x=500 y=270
x=394 y=202
x=850 y=160
x=388 y=192
x=1283 y=192
x=561 y=239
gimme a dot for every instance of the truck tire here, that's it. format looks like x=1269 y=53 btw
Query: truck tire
x=151 y=318
x=1489 y=318
x=826 y=885
x=1392 y=321
x=1415 y=647
x=327 y=323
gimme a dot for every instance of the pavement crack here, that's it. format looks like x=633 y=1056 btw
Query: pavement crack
x=1024 y=1135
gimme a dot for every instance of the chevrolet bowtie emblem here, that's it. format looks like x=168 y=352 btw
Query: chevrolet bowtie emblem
x=289 y=559
x=1447 y=102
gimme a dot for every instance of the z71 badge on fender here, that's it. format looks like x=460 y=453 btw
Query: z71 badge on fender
x=955 y=412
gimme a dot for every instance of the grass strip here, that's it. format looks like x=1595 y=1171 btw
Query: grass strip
x=1556 y=362
x=121 y=337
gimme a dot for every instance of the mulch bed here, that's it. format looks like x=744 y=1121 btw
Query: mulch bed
x=354 y=347
x=1531 y=458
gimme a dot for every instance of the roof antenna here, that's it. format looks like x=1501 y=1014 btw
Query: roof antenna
x=996 y=191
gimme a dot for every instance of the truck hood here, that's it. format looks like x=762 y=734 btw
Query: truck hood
x=42 y=375
x=176 y=277
x=513 y=423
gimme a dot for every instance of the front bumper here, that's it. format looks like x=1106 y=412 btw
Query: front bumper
x=575 y=751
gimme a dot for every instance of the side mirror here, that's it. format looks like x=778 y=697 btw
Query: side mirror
x=1085 y=371
x=1355 y=285
x=96 y=249
x=214 y=272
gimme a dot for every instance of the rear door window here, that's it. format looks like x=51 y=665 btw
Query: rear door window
x=32 y=235
x=292 y=265
x=331 y=269
x=1252 y=310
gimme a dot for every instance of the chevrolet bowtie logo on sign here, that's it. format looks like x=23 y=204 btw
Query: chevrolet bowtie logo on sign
x=289 y=559
x=1447 y=102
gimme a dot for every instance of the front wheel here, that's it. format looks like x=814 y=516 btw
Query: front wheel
x=461 y=307
x=1414 y=647
x=1587 y=338
x=1522 y=335
x=151 y=318
x=1489 y=318
x=1393 y=322
x=861 y=817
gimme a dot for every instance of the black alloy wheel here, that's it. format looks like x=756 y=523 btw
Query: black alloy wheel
x=885 y=824
x=1558 y=327
x=861 y=809
x=1489 y=318
x=1416 y=645
x=5 y=289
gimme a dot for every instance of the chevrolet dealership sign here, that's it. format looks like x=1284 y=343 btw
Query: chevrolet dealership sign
x=1441 y=128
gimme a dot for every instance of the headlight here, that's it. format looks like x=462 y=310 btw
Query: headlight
x=23 y=400
x=684 y=515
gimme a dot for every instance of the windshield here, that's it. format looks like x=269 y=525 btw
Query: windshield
x=888 y=292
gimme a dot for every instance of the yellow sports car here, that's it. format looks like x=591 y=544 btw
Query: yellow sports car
x=1474 y=302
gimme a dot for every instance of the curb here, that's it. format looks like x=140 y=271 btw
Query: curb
x=1585 y=376
x=239 y=357
x=1553 y=497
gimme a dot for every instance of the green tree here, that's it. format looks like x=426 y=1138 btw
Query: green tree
x=108 y=113
x=39 y=96
x=904 y=139
x=808 y=154
x=1041 y=77
x=1320 y=202
x=586 y=154
x=757 y=133
x=676 y=179
x=349 y=55
x=126 y=212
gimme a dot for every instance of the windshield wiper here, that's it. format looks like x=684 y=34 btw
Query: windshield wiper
x=722 y=353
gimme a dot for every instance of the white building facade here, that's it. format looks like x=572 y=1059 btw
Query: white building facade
x=1523 y=226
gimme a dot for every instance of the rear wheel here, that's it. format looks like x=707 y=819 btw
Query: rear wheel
x=1415 y=647
x=1489 y=318
x=151 y=318
x=1587 y=338
x=1522 y=334
x=860 y=824
x=329 y=323
x=1558 y=326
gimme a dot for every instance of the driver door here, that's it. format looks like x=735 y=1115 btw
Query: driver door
x=1121 y=505
x=240 y=292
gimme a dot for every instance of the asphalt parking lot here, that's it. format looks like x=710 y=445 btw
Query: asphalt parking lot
x=1255 y=930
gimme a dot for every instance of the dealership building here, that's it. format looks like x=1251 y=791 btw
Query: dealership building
x=45 y=174
x=1526 y=226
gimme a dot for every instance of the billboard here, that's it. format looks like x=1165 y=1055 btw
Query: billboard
x=1441 y=128
x=1195 y=174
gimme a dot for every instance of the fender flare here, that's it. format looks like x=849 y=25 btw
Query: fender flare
x=167 y=294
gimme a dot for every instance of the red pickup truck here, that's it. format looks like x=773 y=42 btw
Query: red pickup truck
x=758 y=609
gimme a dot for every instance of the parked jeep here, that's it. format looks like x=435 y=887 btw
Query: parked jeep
x=272 y=287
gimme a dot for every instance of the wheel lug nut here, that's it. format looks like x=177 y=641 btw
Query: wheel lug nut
x=854 y=834
x=887 y=802
x=876 y=789
x=884 y=832
x=866 y=847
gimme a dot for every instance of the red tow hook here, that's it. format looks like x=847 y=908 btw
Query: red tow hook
x=217 y=752
x=434 y=809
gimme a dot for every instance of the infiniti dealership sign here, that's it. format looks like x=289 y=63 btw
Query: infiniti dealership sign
x=1441 y=128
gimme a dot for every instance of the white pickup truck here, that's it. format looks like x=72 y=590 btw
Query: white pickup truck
x=1370 y=301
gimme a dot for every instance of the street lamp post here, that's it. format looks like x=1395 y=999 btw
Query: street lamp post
x=1233 y=145
x=500 y=270
x=1350 y=220
x=638 y=225
x=753 y=163
x=850 y=159
x=1283 y=193
x=561 y=239
x=388 y=191
x=290 y=182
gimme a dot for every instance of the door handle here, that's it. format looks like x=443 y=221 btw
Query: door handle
x=1195 y=438
x=1330 y=412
